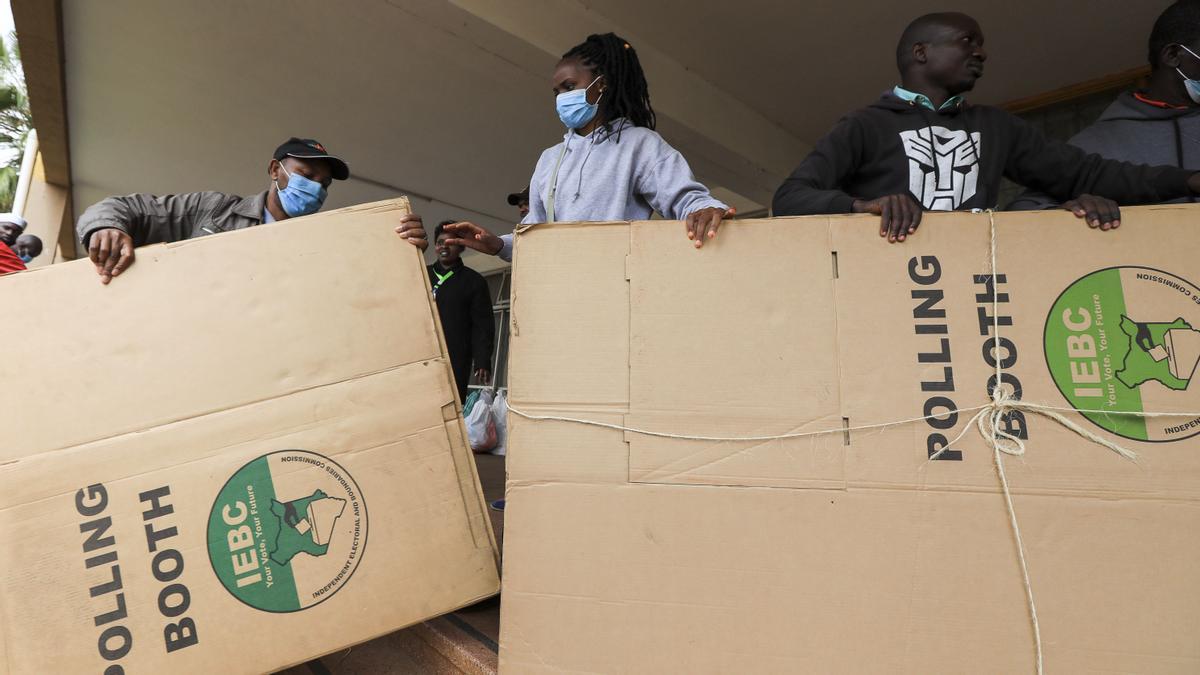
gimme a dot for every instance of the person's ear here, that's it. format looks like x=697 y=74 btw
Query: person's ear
x=272 y=169
x=918 y=52
x=1169 y=56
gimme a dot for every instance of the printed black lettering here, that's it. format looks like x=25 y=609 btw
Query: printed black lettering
x=1010 y=349
x=927 y=262
x=115 y=615
x=154 y=536
x=941 y=356
x=936 y=442
x=110 y=586
x=951 y=413
x=946 y=383
x=169 y=609
x=157 y=508
x=180 y=635
x=986 y=321
x=156 y=565
x=930 y=297
x=1013 y=424
x=93 y=502
x=124 y=642
x=97 y=528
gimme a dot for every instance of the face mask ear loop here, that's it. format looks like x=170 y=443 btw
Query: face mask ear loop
x=285 y=171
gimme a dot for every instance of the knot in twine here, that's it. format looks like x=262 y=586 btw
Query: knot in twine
x=989 y=418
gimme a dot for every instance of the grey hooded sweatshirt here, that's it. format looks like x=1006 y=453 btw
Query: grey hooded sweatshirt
x=1137 y=132
x=617 y=172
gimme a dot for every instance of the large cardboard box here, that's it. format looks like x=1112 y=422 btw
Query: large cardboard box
x=242 y=454
x=850 y=551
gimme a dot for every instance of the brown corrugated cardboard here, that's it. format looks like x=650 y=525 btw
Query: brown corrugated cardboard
x=850 y=551
x=242 y=454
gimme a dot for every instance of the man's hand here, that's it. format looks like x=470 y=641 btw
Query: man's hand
x=703 y=224
x=473 y=236
x=483 y=375
x=412 y=230
x=1100 y=212
x=901 y=215
x=111 y=251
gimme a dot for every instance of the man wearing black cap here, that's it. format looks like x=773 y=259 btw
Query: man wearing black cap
x=301 y=172
x=521 y=201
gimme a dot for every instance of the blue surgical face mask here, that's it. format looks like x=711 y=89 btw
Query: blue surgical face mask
x=1192 y=86
x=574 y=109
x=26 y=258
x=302 y=196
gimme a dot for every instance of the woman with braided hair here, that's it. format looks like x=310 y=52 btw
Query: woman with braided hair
x=611 y=164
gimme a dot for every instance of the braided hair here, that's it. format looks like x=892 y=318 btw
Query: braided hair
x=627 y=95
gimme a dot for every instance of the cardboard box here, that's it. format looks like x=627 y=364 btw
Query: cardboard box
x=851 y=551
x=244 y=453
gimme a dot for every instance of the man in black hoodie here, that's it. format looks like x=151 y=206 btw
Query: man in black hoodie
x=1156 y=125
x=922 y=147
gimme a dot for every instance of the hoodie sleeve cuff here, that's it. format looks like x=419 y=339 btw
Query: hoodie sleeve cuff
x=841 y=203
x=506 y=251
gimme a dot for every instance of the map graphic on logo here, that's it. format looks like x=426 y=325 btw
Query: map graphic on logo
x=1166 y=353
x=287 y=531
x=1127 y=339
x=305 y=525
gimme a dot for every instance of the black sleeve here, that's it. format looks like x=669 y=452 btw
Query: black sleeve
x=483 y=321
x=1064 y=171
x=815 y=186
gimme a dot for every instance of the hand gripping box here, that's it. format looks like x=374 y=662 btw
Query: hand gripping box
x=826 y=539
x=244 y=453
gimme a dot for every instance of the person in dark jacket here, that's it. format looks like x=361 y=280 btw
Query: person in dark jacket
x=922 y=147
x=301 y=172
x=465 y=306
x=1156 y=125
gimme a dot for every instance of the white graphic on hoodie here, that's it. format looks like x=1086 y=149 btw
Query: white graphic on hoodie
x=943 y=166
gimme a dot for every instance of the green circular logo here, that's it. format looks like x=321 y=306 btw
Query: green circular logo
x=1127 y=339
x=287 y=531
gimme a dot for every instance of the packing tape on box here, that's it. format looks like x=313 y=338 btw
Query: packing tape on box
x=987 y=420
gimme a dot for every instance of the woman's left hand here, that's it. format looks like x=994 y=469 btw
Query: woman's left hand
x=703 y=224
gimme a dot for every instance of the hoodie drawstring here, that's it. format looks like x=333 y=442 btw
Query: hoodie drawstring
x=586 y=155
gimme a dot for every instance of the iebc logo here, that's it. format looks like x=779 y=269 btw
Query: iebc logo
x=1127 y=339
x=287 y=531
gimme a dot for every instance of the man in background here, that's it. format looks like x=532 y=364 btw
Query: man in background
x=521 y=201
x=1156 y=125
x=29 y=246
x=465 y=307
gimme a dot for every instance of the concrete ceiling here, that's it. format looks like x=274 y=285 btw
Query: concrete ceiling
x=450 y=101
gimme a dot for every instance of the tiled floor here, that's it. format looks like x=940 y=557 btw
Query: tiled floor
x=468 y=639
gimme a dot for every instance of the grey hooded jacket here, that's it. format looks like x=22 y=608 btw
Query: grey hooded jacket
x=1136 y=132
x=617 y=172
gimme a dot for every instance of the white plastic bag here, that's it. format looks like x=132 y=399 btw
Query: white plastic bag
x=481 y=424
x=500 y=414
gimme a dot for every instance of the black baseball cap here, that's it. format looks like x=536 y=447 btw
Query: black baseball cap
x=518 y=197
x=307 y=148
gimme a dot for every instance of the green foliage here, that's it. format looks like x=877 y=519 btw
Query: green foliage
x=15 y=120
